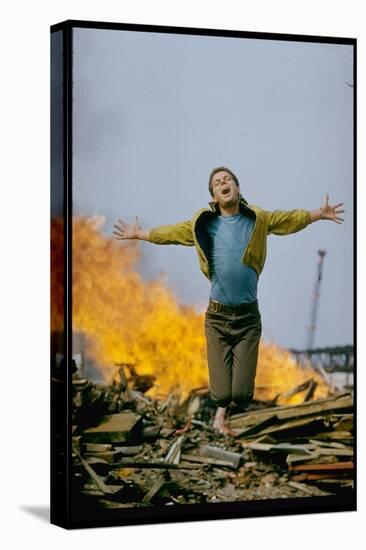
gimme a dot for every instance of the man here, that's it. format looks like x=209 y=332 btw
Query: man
x=230 y=239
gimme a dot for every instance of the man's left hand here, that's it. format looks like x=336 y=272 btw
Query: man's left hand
x=332 y=212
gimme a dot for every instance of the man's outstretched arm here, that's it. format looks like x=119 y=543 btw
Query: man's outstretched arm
x=285 y=222
x=179 y=233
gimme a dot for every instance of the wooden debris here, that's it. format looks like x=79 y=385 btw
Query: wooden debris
x=344 y=424
x=310 y=390
x=173 y=455
x=339 y=466
x=202 y=425
x=150 y=433
x=153 y=491
x=129 y=450
x=288 y=412
x=258 y=427
x=319 y=452
x=343 y=436
x=98 y=481
x=278 y=447
x=309 y=385
x=302 y=487
x=328 y=444
x=207 y=460
x=317 y=477
x=296 y=427
x=114 y=428
x=138 y=396
x=126 y=463
x=108 y=456
x=100 y=466
x=121 y=436
x=97 y=447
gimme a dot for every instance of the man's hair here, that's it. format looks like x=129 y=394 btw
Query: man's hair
x=219 y=169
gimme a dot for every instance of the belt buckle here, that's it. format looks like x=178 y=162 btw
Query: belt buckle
x=215 y=306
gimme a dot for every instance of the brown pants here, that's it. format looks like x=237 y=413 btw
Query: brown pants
x=232 y=354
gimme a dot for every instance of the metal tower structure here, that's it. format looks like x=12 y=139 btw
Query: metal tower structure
x=315 y=300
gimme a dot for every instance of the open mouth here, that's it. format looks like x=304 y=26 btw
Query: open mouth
x=225 y=190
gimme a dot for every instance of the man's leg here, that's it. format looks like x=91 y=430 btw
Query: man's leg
x=245 y=357
x=219 y=358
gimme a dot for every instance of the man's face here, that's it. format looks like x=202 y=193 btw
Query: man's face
x=225 y=191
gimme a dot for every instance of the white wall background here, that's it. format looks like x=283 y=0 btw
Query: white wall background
x=25 y=261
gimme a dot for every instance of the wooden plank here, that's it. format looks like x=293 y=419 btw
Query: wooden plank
x=334 y=452
x=97 y=447
x=175 y=450
x=108 y=456
x=344 y=424
x=310 y=391
x=259 y=446
x=261 y=439
x=126 y=463
x=98 y=480
x=291 y=458
x=114 y=428
x=294 y=411
x=258 y=427
x=318 y=453
x=277 y=408
x=279 y=447
x=316 y=477
x=328 y=444
x=130 y=450
x=335 y=435
x=334 y=467
x=311 y=423
x=297 y=389
x=206 y=460
x=154 y=490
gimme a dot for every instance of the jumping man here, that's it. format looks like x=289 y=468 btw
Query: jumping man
x=231 y=240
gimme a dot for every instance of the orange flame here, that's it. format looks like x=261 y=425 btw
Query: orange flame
x=129 y=320
x=278 y=372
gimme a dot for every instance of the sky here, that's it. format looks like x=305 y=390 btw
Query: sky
x=153 y=113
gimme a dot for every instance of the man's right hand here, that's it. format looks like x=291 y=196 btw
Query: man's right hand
x=125 y=231
x=133 y=231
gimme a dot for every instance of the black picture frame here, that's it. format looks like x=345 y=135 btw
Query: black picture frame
x=67 y=510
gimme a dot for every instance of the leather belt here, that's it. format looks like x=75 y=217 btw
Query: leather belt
x=217 y=307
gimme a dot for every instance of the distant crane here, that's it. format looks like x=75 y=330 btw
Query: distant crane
x=315 y=300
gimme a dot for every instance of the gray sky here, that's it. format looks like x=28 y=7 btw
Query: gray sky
x=154 y=113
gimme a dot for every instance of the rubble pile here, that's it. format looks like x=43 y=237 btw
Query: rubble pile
x=133 y=451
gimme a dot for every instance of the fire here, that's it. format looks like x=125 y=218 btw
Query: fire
x=128 y=320
x=278 y=372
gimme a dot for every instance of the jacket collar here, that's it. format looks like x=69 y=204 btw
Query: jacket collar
x=215 y=207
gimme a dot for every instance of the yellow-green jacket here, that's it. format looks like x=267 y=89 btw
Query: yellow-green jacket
x=192 y=232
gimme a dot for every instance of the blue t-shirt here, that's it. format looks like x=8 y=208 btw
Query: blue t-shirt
x=232 y=282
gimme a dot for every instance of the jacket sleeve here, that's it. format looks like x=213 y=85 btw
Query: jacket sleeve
x=180 y=233
x=285 y=222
